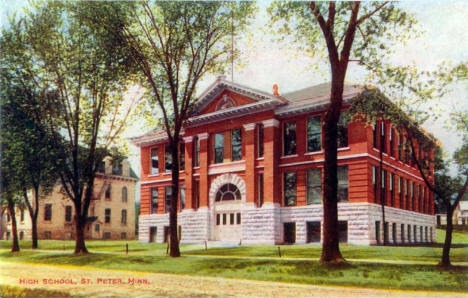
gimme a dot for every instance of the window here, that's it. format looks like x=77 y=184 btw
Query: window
x=116 y=167
x=394 y=233
x=409 y=233
x=260 y=190
x=391 y=137
x=21 y=235
x=400 y=191
x=182 y=197
x=342 y=138
x=196 y=152
x=224 y=218
x=218 y=148
x=313 y=231
x=289 y=138
x=236 y=144
x=107 y=215
x=383 y=133
x=343 y=231
x=108 y=192
x=168 y=193
x=8 y=217
x=48 y=212
x=412 y=196
x=218 y=219
x=68 y=213
x=314 y=134
x=377 y=231
x=375 y=180
x=21 y=214
x=415 y=231
x=154 y=161
x=96 y=227
x=407 y=194
x=196 y=195
x=124 y=194
x=392 y=190
x=123 y=219
x=107 y=235
x=289 y=189
x=383 y=184
x=289 y=232
x=314 y=186
x=231 y=218
x=92 y=211
x=342 y=184
x=238 y=218
x=400 y=137
x=182 y=156
x=374 y=135
x=386 y=232
x=154 y=200
x=260 y=139
x=167 y=158
x=402 y=233
x=123 y=235
x=228 y=192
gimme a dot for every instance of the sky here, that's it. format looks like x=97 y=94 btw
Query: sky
x=267 y=63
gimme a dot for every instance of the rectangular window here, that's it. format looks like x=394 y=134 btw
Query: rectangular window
x=260 y=190
x=236 y=144
x=182 y=156
x=8 y=218
x=342 y=140
x=231 y=218
x=238 y=218
x=260 y=139
x=415 y=231
x=68 y=213
x=392 y=190
x=314 y=186
x=342 y=184
x=154 y=161
x=413 y=207
x=377 y=231
x=154 y=200
x=224 y=219
x=402 y=233
x=167 y=158
x=96 y=227
x=107 y=195
x=182 y=197
x=289 y=138
x=218 y=148
x=107 y=215
x=343 y=231
x=48 y=212
x=385 y=232
x=196 y=152
x=399 y=138
x=400 y=191
x=407 y=194
x=375 y=180
x=196 y=195
x=391 y=137
x=289 y=189
x=123 y=235
x=289 y=232
x=168 y=194
x=314 y=134
x=107 y=235
x=218 y=219
x=374 y=135
x=408 y=230
x=22 y=214
x=123 y=219
x=313 y=231
x=383 y=132
x=420 y=198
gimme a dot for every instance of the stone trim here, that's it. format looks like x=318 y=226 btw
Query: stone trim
x=225 y=179
x=249 y=126
x=188 y=139
x=271 y=122
x=203 y=136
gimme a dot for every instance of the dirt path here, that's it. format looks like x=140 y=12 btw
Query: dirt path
x=99 y=282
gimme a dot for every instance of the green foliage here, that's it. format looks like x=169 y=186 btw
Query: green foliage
x=15 y=291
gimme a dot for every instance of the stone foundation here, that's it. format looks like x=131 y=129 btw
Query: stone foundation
x=264 y=225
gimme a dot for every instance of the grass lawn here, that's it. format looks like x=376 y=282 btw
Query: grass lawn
x=151 y=258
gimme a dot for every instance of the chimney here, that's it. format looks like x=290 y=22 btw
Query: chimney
x=275 y=90
x=126 y=168
x=108 y=165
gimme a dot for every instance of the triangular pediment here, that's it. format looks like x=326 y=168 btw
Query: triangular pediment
x=222 y=95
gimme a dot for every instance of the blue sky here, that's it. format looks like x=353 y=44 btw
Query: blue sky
x=446 y=38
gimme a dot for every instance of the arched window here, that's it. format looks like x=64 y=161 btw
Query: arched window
x=124 y=194
x=228 y=192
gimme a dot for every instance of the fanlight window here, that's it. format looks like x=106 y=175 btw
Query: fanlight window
x=225 y=103
x=228 y=192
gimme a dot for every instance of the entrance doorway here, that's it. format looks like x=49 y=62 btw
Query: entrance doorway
x=152 y=234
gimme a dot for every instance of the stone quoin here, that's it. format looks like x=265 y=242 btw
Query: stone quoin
x=252 y=172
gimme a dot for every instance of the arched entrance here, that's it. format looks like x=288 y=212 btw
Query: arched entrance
x=227 y=194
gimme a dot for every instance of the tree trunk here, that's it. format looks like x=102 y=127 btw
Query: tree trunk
x=173 y=228
x=445 y=262
x=34 y=232
x=80 y=246
x=330 y=248
x=34 y=212
x=14 y=231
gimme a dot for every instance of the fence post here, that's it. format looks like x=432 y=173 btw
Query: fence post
x=126 y=248
x=206 y=247
x=279 y=251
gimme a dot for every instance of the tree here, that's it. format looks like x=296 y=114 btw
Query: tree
x=366 y=31
x=80 y=83
x=174 y=44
